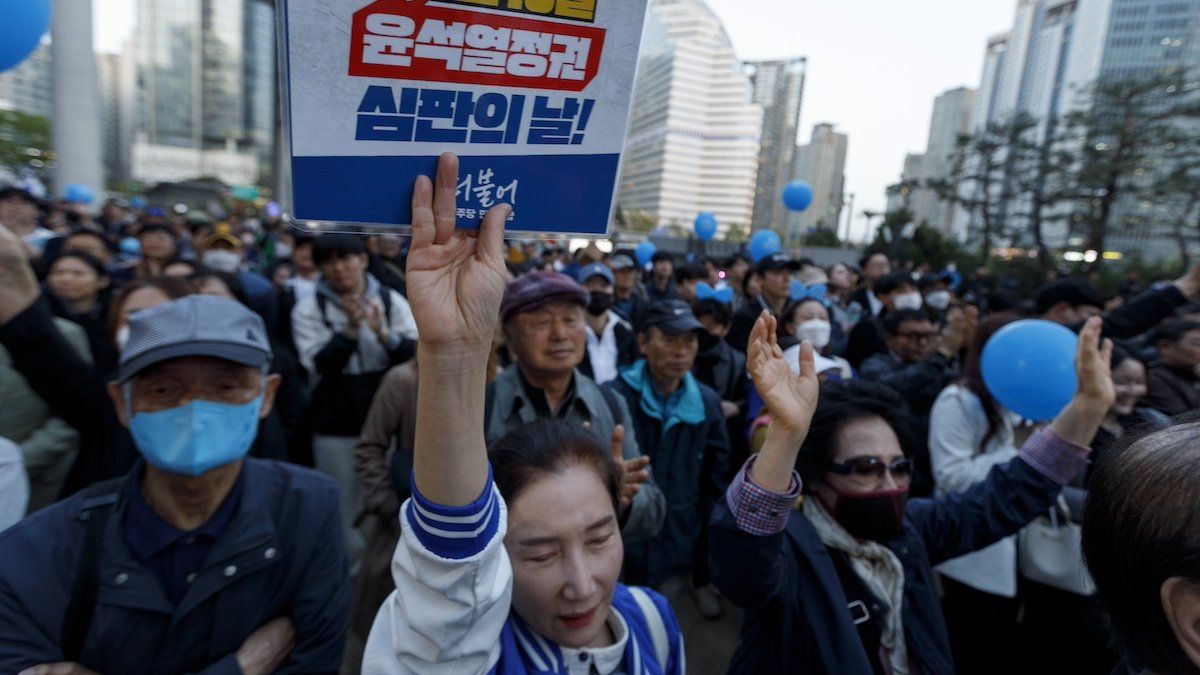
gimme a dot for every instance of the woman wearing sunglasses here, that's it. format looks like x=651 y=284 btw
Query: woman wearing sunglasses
x=817 y=539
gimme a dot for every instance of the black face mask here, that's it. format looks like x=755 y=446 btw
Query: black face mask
x=599 y=303
x=878 y=516
x=708 y=340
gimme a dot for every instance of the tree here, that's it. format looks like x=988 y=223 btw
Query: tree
x=1176 y=193
x=977 y=181
x=25 y=143
x=1039 y=167
x=1123 y=131
x=823 y=237
x=905 y=241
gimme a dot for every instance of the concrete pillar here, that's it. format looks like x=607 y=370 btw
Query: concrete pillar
x=76 y=121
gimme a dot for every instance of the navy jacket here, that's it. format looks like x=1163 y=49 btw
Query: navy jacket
x=797 y=619
x=280 y=555
x=690 y=463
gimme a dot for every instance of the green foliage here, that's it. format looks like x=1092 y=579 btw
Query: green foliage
x=25 y=143
x=823 y=237
x=907 y=242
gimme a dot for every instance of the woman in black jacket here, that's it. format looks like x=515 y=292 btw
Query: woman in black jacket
x=843 y=582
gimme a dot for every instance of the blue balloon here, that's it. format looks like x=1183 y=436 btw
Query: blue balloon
x=798 y=195
x=1029 y=367
x=644 y=252
x=78 y=193
x=763 y=244
x=137 y=203
x=22 y=25
x=706 y=226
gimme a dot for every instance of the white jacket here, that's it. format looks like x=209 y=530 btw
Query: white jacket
x=312 y=329
x=451 y=610
x=957 y=426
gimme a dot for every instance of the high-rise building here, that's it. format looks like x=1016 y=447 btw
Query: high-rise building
x=901 y=195
x=822 y=163
x=1055 y=51
x=29 y=88
x=694 y=131
x=206 y=90
x=951 y=117
x=779 y=89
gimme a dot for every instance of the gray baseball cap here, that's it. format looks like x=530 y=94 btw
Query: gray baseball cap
x=196 y=325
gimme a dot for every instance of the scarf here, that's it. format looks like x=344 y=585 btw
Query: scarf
x=878 y=568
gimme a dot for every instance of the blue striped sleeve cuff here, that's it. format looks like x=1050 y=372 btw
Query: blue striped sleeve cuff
x=455 y=532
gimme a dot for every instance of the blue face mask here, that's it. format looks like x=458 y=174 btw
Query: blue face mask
x=198 y=437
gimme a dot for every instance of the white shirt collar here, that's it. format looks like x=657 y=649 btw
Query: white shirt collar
x=605 y=660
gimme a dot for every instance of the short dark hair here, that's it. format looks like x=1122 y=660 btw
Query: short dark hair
x=660 y=256
x=337 y=245
x=548 y=446
x=1074 y=292
x=84 y=232
x=691 y=271
x=1173 y=331
x=863 y=261
x=733 y=259
x=86 y=259
x=201 y=275
x=1122 y=353
x=842 y=403
x=720 y=312
x=1139 y=530
x=888 y=283
x=892 y=321
x=1004 y=301
x=929 y=280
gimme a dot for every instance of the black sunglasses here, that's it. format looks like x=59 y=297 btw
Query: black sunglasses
x=872 y=467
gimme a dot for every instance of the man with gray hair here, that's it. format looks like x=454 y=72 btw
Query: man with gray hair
x=198 y=560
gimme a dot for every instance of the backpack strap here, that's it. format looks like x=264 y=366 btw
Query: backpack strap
x=654 y=626
x=100 y=501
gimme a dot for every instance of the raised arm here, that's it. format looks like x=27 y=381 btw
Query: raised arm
x=455 y=283
x=450 y=561
x=746 y=546
x=1015 y=493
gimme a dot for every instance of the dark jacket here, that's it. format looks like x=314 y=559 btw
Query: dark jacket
x=797 y=619
x=627 y=349
x=866 y=340
x=724 y=369
x=280 y=555
x=1172 y=391
x=690 y=462
x=918 y=383
x=743 y=322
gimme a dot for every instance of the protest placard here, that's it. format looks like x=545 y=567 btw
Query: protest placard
x=533 y=95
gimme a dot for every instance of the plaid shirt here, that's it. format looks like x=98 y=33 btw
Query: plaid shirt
x=757 y=510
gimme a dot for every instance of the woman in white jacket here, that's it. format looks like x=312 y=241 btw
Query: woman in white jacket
x=510 y=567
x=969 y=433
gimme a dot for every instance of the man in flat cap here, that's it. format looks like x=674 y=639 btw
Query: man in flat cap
x=543 y=323
x=198 y=560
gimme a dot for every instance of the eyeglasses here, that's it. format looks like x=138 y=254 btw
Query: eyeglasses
x=920 y=337
x=872 y=467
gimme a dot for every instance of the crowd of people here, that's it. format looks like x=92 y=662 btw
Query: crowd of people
x=234 y=447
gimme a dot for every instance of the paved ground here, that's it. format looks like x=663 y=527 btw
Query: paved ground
x=710 y=644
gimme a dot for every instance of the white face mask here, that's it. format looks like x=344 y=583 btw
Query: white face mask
x=909 y=301
x=122 y=337
x=222 y=261
x=938 y=300
x=815 y=331
x=283 y=251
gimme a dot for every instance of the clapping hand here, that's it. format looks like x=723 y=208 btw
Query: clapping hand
x=634 y=472
x=1093 y=366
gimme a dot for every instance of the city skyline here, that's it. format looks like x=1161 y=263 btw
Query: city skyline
x=846 y=80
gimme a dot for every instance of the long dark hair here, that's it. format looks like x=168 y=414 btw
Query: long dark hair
x=548 y=446
x=972 y=373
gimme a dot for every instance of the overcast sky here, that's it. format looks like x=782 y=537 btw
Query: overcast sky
x=874 y=66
